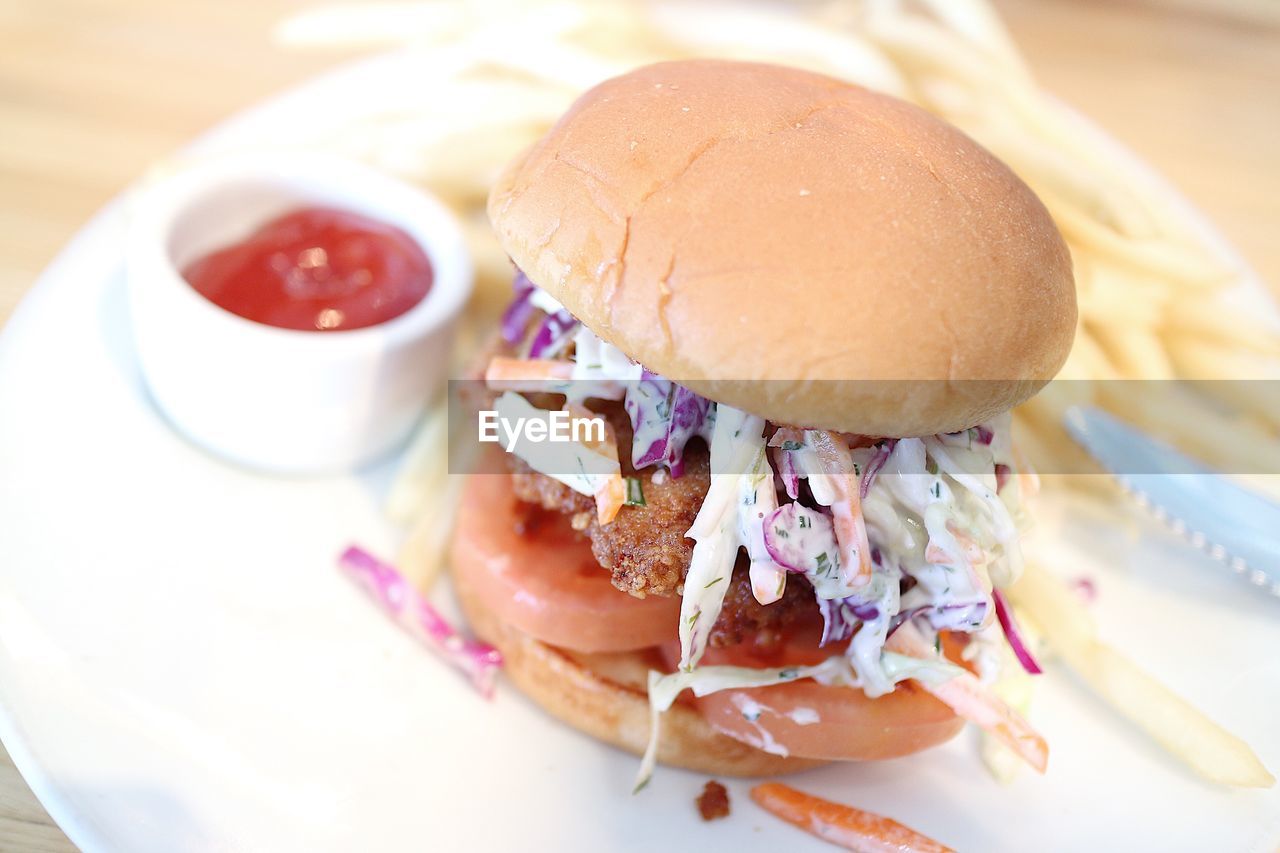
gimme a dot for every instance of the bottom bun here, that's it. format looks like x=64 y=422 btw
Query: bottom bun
x=604 y=695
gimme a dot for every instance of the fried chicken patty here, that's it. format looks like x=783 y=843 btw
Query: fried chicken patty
x=646 y=553
x=644 y=548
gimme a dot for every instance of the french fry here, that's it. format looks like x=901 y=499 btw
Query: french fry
x=422 y=473
x=1047 y=446
x=1231 y=375
x=1053 y=171
x=463 y=166
x=1186 y=733
x=349 y=25
x=1177 y=415
x=1115 y=296
x=787 y=39
x=1087 y=360
x=422 y=497
x=977 y=21
x=1209 y=319
x=1173 y=261
x=1136 y=352
x=1208 y=360
x=423 y=555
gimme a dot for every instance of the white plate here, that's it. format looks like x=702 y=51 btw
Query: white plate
x=182 y=667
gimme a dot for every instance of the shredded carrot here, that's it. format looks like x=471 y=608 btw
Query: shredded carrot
x=969 y=698
x=610 y=499
x=843 y=826
x=526 y=374
x=612 y=493
x=1028 y=479
x=782 y=435
x=974 y=559
x=846 y=511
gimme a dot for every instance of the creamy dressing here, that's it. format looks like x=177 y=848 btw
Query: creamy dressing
x=725 y=522
x=759 y=500
x=932 y=514
x=804 y=716
x=804 y=540
x=545 y=302
x=595 y=361
x=751 y=711
x=942 y=511
x=835 y=671
x=987 y=651
x=866 y=649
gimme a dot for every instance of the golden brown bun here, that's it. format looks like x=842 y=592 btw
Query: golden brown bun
x=725 y=222
x=604 y=696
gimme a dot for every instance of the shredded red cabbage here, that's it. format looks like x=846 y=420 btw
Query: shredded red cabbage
x=874 y=466
x=958 y=616
x=979 y=434
x=1011 y=633
x=901 y=617
x=398 y=598
x=1003 y=473
x=1086 y=588
x=803 y=540
x=664 y=417
x=784 y=464
x=553 y=335
x=966 y=615
x=840 y=616
x=517 y=315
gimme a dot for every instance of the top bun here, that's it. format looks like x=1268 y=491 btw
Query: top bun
x=752 y=232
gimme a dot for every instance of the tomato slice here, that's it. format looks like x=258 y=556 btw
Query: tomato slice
x=811 y=720
x=546 y=582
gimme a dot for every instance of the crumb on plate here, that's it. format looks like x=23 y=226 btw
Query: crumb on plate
x=713 y=802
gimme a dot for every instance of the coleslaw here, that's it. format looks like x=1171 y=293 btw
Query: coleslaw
x=910 y=535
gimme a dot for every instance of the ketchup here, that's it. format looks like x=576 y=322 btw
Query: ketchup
x=316 y=269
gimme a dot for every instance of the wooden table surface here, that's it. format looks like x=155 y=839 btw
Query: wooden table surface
x=92 y=92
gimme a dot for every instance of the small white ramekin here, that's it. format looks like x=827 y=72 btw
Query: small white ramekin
x=281 y=400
